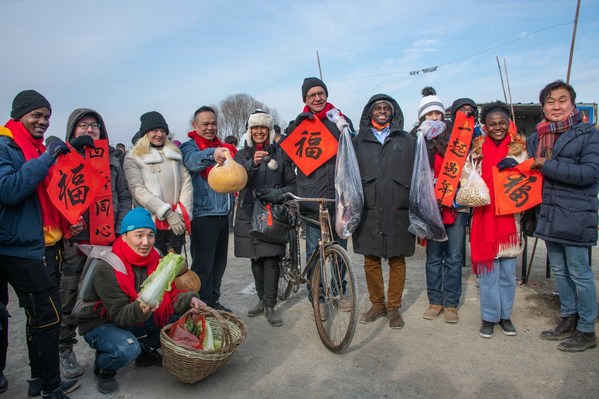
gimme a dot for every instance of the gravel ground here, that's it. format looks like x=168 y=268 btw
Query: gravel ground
x=425 y=359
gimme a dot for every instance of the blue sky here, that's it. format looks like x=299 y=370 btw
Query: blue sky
x=126 y=57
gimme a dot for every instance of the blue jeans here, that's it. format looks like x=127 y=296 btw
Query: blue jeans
x=575 y=283
x=115 y=347
x=312 y=237
x=498 y=290
x=444 y=265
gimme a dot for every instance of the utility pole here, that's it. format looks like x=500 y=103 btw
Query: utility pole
x=318 y=59
x=573 y=41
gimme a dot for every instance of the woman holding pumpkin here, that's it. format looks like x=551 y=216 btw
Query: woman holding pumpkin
x=270 y=175
x=495 y=239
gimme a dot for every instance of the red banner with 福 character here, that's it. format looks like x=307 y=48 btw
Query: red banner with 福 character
x=517 y=189
x=310 y=145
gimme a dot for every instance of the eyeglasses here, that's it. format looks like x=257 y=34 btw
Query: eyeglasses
x=466 y=108
x=502 y=125
x=314 y=95
x=85 y=126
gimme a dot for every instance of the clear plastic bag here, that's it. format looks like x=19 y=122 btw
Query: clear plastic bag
x=349 y=198
x=473 y=190
x=425 y=217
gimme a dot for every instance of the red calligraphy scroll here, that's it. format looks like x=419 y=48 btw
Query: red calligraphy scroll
x=310 y=145
x=455 y=157
x=73 y=186
x=101 y=213
x=517 y=189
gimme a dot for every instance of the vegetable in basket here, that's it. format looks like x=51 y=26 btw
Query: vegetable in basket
x=161 y=280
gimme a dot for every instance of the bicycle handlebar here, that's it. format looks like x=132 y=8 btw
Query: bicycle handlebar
x=289 y=197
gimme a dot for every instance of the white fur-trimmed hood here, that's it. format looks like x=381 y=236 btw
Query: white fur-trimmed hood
x=155 y=157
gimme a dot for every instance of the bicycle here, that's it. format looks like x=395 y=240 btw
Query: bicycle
x=333 y=278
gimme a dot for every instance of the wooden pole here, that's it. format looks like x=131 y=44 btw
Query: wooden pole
x=501 y=76
x=573 y=41
x=318 y=59
x=509 y=90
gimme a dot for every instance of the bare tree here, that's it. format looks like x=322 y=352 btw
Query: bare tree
x=233 y=113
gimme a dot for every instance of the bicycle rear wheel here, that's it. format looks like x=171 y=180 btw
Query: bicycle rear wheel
x=288 y=265
x=335 y=302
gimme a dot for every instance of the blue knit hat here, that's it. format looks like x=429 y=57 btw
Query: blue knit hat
x=138 y=218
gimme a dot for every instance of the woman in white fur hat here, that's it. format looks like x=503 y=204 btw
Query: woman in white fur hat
x=270 y=175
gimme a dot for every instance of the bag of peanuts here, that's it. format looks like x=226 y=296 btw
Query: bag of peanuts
x=473 y=190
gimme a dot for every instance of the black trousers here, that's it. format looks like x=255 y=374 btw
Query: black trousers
x=166 y=239
x=209 y=248
x=266 y=277
x=3 y=321
x=36 y=284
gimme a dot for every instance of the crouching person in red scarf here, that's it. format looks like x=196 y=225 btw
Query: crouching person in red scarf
x=113 y=319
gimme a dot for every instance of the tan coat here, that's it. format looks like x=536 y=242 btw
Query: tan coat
x=158 y=180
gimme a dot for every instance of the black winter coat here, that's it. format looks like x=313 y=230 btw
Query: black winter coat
x=259 y=178
x=568 y=213
x=321 y=182
x=386 y=171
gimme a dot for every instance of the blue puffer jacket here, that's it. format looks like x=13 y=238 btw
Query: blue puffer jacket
x=21 y=230
x=206 y=201
x=568 y=213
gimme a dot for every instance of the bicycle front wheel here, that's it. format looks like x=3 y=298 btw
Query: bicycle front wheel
x=335 y=302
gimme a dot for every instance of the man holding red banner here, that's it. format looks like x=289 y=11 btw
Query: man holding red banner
x=320 y=182
x=87 y=133
x=31 y=229
x=566 y=152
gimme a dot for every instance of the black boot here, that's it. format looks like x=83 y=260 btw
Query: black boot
x=273 y=318
x=578 y=342
x=148 y=357
x=565 y=329
x=105 y=381
x=257 y=310
x=3 y=382
x=68 y=385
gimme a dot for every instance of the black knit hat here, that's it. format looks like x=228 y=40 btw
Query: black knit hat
x=26 y=101
x=460 y=102
x=150 y=121
x=310 y=83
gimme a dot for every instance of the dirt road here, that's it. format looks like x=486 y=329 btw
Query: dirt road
x=425 y=359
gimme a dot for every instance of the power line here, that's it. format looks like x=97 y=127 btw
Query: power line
x=434 y=68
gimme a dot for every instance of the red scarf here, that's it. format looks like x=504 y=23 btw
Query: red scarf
x=491 y=233
x=322 y=115
x=202 y=144
x=127 y=282
x=53 y=222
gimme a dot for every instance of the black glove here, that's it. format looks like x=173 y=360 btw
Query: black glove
x=56 y=147
x=507 y=163
x=272 y=195
x=304 y=115
x=79 y=143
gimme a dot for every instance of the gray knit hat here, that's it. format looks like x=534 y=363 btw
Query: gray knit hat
x=310 y=83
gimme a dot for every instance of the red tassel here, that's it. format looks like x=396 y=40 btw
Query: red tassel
x=269 y=218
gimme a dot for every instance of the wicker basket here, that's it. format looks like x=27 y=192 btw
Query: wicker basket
x=192 y=365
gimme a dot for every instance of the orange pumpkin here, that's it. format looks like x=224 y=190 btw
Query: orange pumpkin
x=188 y=281
x=228 y=177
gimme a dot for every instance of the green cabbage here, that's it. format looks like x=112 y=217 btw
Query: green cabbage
x=152 y=290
